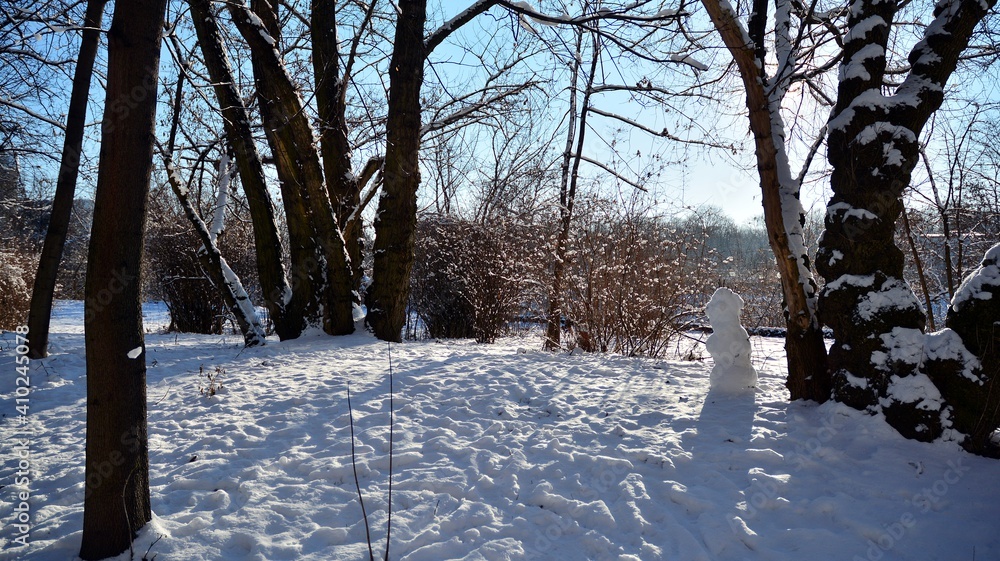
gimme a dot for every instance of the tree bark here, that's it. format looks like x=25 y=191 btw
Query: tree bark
x=396 y=219
x=553 y=327
x=873 y=148
x=335 y=148
x=62 y=205
x=285 y=309
x=116 y=503
x=293 y=145
x=973 y=316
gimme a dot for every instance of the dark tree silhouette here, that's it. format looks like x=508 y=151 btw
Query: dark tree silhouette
x=117 y=474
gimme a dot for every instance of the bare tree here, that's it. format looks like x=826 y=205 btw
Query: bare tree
x=285 y=312
x=225 y=280
x=783 y=212
x=69 y=167
x=873 y=149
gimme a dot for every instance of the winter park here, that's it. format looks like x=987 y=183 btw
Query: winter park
x=494 y=280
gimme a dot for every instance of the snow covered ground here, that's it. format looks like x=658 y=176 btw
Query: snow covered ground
x=501 y=452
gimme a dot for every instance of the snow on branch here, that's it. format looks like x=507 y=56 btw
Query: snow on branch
x=464 y=17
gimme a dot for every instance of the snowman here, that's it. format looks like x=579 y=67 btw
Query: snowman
x=729 y=345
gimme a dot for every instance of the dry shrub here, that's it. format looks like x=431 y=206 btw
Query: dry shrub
x=636 y=281
x=176 y=274
x=469 y=278
x=17 y=272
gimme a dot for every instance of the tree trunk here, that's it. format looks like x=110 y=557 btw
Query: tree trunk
x=116 y=503
x=396 y=219
x=285 y=310
x=306 y=272
x=335 y=148
x=973 y=316
x=293 y=144
x=553 y=328
x=225 y=280
x=805 y=349
x=873 y=148
x=69 y=167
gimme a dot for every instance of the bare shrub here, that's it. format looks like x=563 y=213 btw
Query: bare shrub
x=174 y=272
x=469 y=278
x=637 y=281
x=17 y=270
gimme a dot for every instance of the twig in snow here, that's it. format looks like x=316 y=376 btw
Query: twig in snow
x=357 y=483
x=388 y=528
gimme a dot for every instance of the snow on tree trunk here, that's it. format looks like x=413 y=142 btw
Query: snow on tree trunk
x=965 y=364
x=221 y=200
x=873 y=147
x=284 y=305
x=783 y=214
x=729 y=345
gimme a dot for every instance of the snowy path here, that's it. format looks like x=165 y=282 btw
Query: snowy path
x=501 y=452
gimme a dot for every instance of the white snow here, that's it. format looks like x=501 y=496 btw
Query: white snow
x=917 y=389
x=846 y=210
x=502 y=452
x=176 y=177
x=690 y=61
x=729 y=345
x=895 y=294
x=947 y=345
x=903 y=345
x=976 y=285
x=862 y=28
x=134 y=353
x=221 y=200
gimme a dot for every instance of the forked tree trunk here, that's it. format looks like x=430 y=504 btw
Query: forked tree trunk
x=284 y=308
x=307 y=279
x=116 y=492
x=805 y=349
x=62 y=205
x=873 y=147
x=396 y=218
